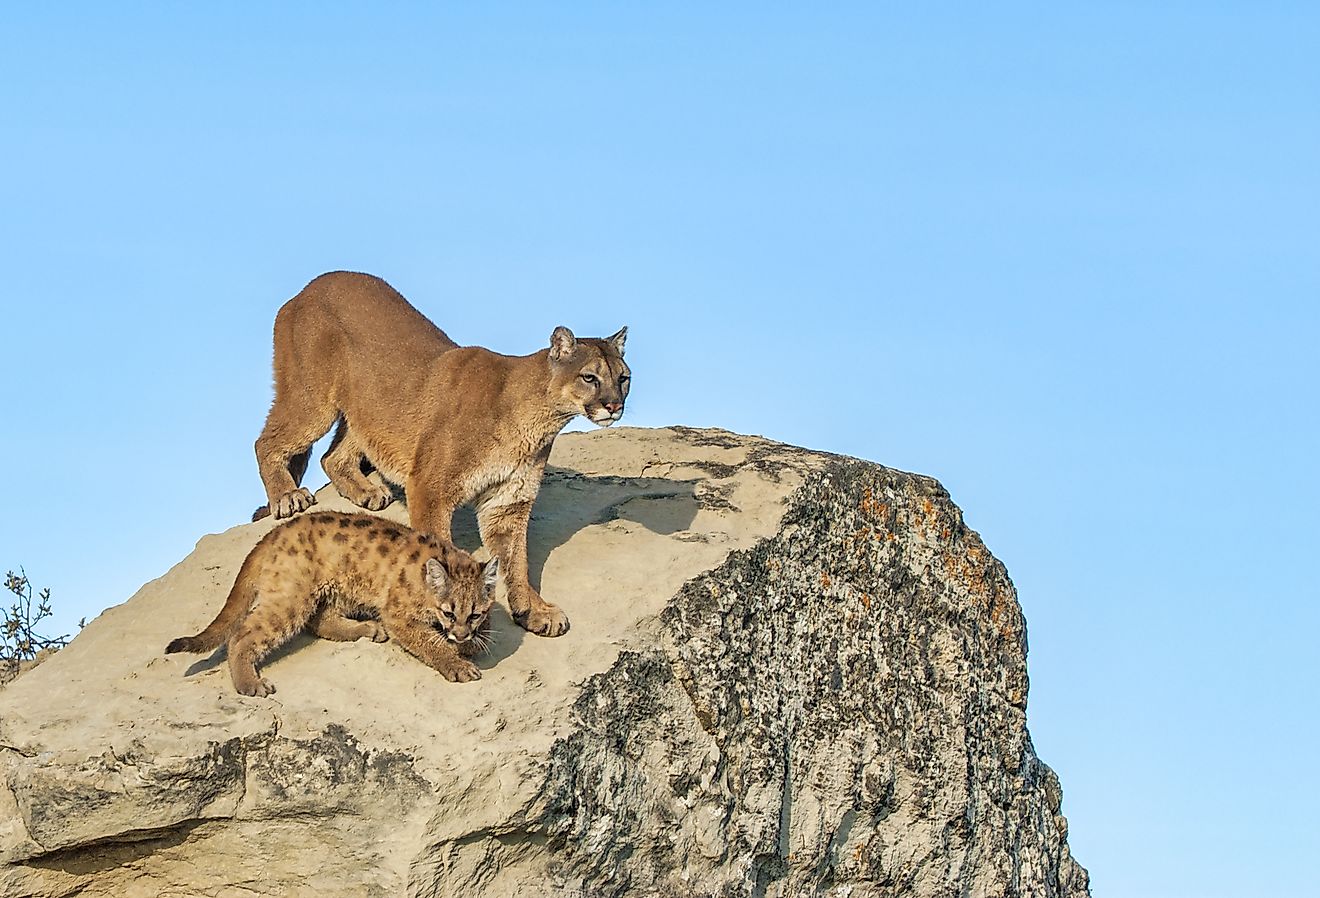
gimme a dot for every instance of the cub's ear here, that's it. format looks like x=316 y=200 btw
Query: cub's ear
x=562 y=343
x=491 y=570
x=618 y=340
x=437 y=578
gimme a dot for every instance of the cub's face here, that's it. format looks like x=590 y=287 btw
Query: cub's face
x=592 y=377
x=463 y=592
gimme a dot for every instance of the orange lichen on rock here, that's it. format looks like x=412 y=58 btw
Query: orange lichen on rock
x=873 y=507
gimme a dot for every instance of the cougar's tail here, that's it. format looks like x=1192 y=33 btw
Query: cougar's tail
x=240 y=597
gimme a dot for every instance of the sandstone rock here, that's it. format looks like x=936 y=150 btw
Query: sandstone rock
x=788 y=674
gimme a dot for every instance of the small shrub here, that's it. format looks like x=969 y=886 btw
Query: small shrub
x=20 y=643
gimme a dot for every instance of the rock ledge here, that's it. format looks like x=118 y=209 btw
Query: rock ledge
x=789 y=674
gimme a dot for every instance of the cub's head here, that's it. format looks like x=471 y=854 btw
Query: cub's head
x=462 y=591
x=590 y=375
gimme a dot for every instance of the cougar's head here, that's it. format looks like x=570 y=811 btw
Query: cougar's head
x=463 y=591
x=590 y=374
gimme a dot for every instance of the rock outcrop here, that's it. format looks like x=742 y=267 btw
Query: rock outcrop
x=788 y=674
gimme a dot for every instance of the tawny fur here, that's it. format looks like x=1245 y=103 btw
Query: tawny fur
x=327 y=570
x=451 y=424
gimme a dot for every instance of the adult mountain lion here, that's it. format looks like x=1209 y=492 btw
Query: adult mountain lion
x=452 y=424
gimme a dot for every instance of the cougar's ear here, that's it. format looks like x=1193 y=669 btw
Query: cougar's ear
x=562 y=344
x=491 y=573
x=618 y=340
x=437 y=578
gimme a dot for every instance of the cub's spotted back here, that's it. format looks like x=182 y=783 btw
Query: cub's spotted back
x=353 y=576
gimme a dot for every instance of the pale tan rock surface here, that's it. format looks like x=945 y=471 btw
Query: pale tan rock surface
x=666 y=745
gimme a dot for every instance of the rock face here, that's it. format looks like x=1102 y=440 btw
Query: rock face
x=788 y=674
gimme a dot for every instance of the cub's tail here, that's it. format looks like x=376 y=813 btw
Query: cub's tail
x=263 y=511
x=192 y=644
x=236 y=606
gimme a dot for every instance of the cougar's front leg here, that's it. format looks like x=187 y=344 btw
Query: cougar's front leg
x=428 y=646
x=431 y=508
x=504 y=533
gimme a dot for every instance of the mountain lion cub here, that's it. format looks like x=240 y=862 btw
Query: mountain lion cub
x=450 y=424
x=428 y=596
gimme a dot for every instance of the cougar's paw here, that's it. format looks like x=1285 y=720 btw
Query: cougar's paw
x=294 y=501
x=260 y=687
x=460 y=671
x=375 y=498
x=543 y=620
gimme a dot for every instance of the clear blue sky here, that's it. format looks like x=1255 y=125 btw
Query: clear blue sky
x=1063 y=259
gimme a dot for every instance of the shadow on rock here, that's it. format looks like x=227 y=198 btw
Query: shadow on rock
x=570 y=502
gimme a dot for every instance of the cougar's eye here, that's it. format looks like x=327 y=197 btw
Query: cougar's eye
x=624 y=378
x=590 y=379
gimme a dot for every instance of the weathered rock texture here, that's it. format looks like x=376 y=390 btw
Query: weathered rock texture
x=788 y=674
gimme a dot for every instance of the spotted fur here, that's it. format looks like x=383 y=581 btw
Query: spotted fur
x=353 y=576
x=451 y=424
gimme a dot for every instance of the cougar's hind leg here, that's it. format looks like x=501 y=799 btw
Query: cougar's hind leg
x=245 y=651
x=283 y=450
x=344 y=462
x=279 y=611
x=331 y=623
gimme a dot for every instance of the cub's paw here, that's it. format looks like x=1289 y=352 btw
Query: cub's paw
x=294 y=501
x=460 y=671
x=543 y=620
x=375 y=498
x=260 y=687
x=376 y=633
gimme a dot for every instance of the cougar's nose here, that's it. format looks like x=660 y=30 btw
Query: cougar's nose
x=613 y=407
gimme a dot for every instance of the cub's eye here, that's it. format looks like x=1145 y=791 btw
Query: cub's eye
x=590 y=379
x=446 y=613
x=476 y=615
